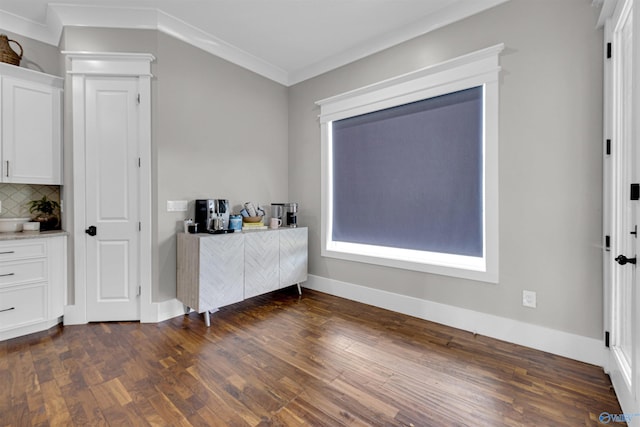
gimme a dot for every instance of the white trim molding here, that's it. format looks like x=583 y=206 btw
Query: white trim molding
x=155 y=19
x=479 y=68
x=577 y=347
x=109 y=63
x=80 y=65
x=448 y=15
x=60 y=15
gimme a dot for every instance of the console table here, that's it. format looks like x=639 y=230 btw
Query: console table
x=214 y=270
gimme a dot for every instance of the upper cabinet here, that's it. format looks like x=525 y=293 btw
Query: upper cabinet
x=31 y=125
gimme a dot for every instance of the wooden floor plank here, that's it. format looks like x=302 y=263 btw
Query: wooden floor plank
x=284 y=360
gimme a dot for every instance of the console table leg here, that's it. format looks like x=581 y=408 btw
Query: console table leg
x=207 y=319
x=299 y=289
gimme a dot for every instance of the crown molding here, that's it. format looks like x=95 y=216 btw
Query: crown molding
x=48 y=32
x=608 y=7
x=151 y=18
x=444 y=17
x=66 y=15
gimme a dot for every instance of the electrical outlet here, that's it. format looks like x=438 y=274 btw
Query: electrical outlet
x=529 y=299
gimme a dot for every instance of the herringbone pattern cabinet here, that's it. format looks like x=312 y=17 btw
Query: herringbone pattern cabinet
x=219 y=270
x=293 y=256
x=261 y=258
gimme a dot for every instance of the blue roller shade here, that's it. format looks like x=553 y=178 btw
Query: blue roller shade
x=411 y=176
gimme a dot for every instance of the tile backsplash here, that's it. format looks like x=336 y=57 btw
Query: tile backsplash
x=14 y=198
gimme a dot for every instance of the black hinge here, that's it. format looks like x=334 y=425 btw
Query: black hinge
x=607 y=242
x=138 y=98
x=139 y=162
x=608 y=50
x=635 y=191
x=139 y=226
x=608 y=148
x=606 y=339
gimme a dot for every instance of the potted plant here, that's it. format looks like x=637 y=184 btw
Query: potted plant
x=45 y=211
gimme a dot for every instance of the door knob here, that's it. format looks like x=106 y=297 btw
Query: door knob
x=92 y=231
x=622 y=260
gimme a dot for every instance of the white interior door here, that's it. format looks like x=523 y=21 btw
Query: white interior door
x=624 y=294
x=111 y=199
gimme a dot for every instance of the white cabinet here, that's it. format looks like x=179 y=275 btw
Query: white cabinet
x=261 y=263
x=293 y=256
x=210 y=271
x=33 y=283
x=31 y=123
x=218 y=270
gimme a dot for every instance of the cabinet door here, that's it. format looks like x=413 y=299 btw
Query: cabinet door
x=261 y=263
x=31 y=132
x=22 y=306
x=293 y=256
x=221 y=271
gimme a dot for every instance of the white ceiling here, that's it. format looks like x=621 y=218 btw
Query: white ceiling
x=285 y=40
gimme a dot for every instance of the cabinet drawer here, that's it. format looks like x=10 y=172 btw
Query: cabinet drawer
x=18 y=272
x=22 y=306
x=21 y=250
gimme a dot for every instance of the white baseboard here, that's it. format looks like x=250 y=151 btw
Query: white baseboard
x=29 y=329
x=577 y=347
x=169 y=309
x=151 y=313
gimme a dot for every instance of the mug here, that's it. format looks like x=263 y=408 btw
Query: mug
x=275 y=223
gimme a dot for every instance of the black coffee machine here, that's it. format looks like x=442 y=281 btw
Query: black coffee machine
x=292 y=214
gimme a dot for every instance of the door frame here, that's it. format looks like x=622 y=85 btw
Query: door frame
x=627 y=389
x=79 y=66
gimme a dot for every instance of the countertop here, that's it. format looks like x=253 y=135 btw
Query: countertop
x=263 y=230
x=32 y=234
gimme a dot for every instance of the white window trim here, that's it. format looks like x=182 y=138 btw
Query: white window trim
x=480 y=68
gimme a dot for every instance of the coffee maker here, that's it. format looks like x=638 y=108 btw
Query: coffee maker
x=212 y=215
x=292 y=214
x=222 y=211
x=204 y=214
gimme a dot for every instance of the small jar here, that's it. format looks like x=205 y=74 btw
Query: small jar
x=235 y=222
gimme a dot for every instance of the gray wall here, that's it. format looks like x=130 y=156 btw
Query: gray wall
x=222 y=133
x=218 y=131
x=550 y=162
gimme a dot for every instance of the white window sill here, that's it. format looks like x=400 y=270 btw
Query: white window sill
x=466 y=267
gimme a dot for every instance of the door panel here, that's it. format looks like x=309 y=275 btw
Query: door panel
x=111 y=199
x=261 y=263
x=113 y=283
x=624 y=340
x=293 y=256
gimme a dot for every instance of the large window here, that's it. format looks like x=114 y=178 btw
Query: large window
x=410 y=170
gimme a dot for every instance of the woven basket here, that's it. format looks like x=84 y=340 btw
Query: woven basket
x=7 y=54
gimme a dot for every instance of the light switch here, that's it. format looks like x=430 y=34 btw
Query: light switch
x=176 y=205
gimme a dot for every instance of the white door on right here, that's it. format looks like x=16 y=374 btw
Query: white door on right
x=624 y=292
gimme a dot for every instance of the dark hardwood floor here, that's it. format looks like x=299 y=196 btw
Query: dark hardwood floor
x=279 y=359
